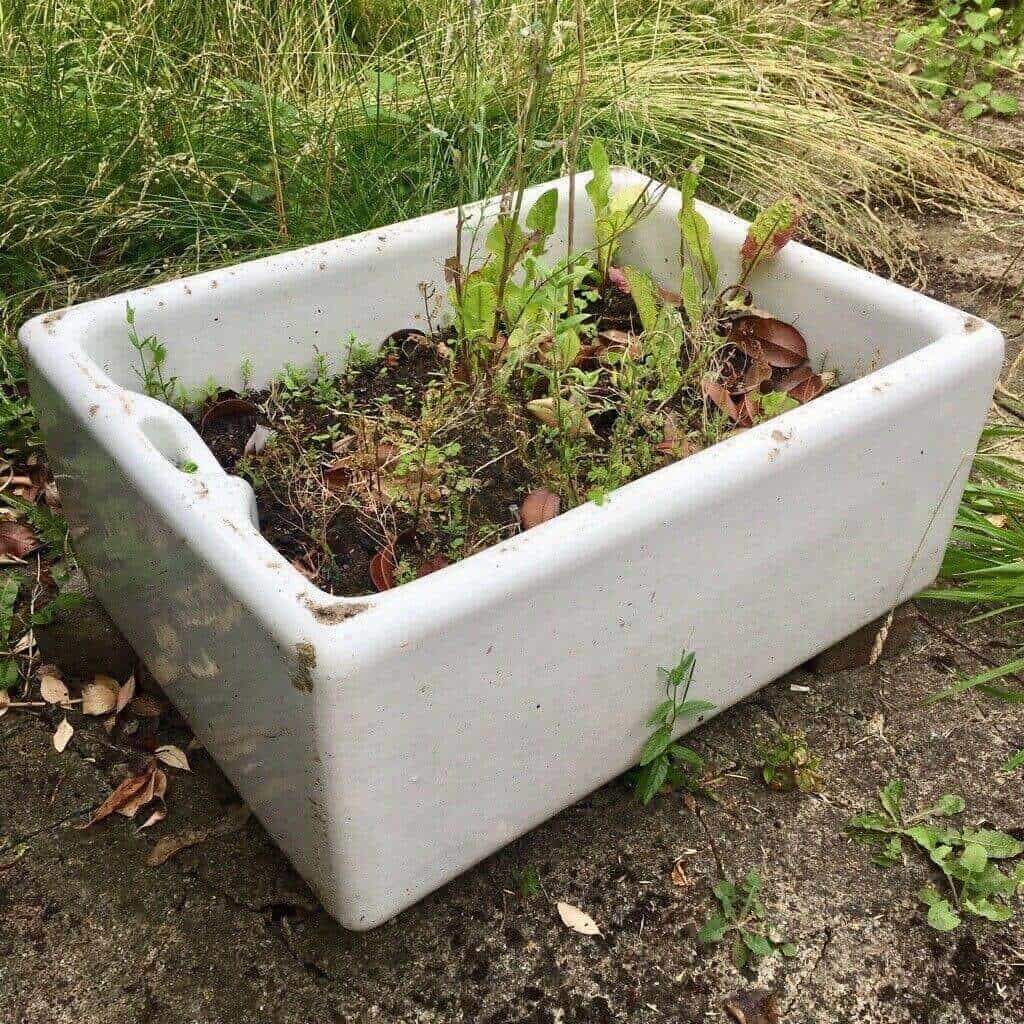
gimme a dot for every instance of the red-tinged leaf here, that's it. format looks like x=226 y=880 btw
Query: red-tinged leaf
x=433 y=565
x=453 y=270
x=17 y=540
x=538 y=507
x=617 y=279
x=669 y=297
x=802 y=384
x=337 y=476
x=772 y=229
x=778 y=343
x=228 y=407
x=382 y=569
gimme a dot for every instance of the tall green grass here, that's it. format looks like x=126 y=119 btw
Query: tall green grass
x=145 y=140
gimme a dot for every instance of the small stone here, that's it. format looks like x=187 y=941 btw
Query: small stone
x=83 y=641
x=855 y=650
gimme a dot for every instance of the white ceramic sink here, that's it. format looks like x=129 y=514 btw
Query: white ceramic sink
x=389 y=742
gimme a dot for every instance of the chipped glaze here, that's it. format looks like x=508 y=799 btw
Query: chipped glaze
x=389 y=742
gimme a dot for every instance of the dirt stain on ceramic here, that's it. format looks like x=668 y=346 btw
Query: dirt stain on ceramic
x=305 y=662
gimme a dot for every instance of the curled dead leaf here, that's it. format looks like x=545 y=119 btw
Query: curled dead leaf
x=576 y=919
x=63 y=735
x=226 y=408
x=125 y=693
x=679 y=877
x=130 y=795
x=757 y=373
x=763 y=337
x=5 y=702
x=802 y=384
x=173 y=757
x=337 y=476
x=53 y=691
x=552 y=414
x=382 y=569
x=168 y=846
x=100 y=696
x=17 y=540
x=538 y=507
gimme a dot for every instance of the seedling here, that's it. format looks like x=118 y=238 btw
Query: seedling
x=152 y=357
x=965 y=856
x=661 y=760
x=787 y=764
x=742 y=917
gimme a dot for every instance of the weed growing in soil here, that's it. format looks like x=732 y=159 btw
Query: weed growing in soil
x=787 y=764
x=662 y=761
x=965 y=856
x=742 y=915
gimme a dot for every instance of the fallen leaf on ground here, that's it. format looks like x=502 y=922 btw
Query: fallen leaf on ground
x=100 y=696
x=124 y=694
x=432 y=565
x=53 y=691
x=578 y=920
x=753 y=1006
x=679 y=877
x=167 y=847
x=158 y=815
x=173 y=756
x=131 y=794
x=63 y=735
x=17 y=540
x=5 y=702
x=145 y=705
x=538 y=507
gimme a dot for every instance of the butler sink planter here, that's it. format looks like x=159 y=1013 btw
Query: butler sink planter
x=390 y=742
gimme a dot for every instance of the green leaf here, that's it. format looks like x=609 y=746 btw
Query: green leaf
x=738 y=953
x=891 y=853
x=789 y=949
x=871 y=823
x=650 y=779
x=1004 y=103
x=974 y=858
x=9 y=588
x=644 y=296
x=890 y=796
x=972 y=111
x=693 y=296
x=541 y=218
x=929 y=895
x=693 y=707
x=980 y=89
x=983 y=907
x=656 y=744
x=963 y=685
x=771 y=229
x=757 y=944
x=942 y=917
x=479 y=308
x=976 y=20
x=996 y=844
x=950 y=803
x=661 y=712
x=61 y=603
x=1014 y=762
x=599 y=188
x=694 y=229
x=713 y=930
x=9 y=673
x=686 y=756
x=725 y=893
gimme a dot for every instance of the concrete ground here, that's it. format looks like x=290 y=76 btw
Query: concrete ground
x=226 y=932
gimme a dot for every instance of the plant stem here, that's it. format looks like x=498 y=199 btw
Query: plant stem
x=574 y=148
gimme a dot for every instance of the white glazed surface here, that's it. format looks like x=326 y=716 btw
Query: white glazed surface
x=390 y=742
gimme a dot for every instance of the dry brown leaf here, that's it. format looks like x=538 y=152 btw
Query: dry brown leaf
x=170 y=845
x=173 y=757
x=999 y=520
x=753 y=1006
x=53 y=691
x=145 y=705
x=5 y=702
x=258 y=439
x=538 y=507
x=679 y=877
x=63 y=735
x=576 y=919
x=228 y=407
x=17 y=540
x=432 y=565
x=382 y=569
x=764 y=337
x=125 y=692
x=127 y=795
x=100 y=696
x=158 y=815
